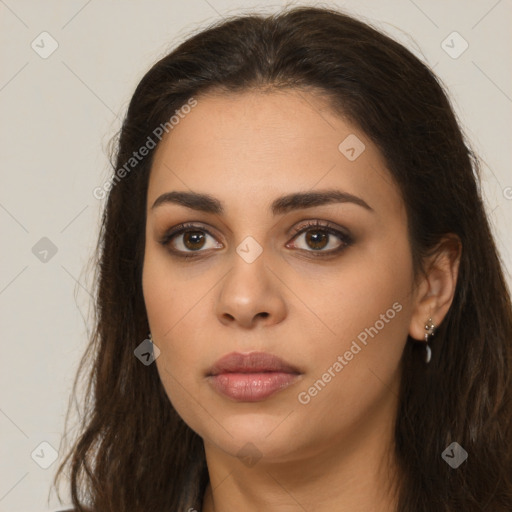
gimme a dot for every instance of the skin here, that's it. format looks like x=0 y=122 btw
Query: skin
x=247 y=149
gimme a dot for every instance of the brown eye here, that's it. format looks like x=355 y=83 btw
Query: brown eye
x=315 y=237
x=193 y=240
x=187 y=239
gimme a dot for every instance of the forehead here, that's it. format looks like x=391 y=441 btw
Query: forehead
x=252 y=144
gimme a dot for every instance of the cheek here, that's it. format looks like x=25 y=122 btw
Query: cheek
x=170 y=318
x=366 y=308
x=168 y=295
x=175 y=308
x=366 y=290
x=166 y=309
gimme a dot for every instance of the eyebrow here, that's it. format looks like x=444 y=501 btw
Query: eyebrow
x=284 y=204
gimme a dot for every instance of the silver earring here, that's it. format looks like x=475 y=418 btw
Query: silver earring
x=429 y=332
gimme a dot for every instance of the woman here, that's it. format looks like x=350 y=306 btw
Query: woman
x=300 y=302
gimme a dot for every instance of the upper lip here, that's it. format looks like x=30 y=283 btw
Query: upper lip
x=253 y=362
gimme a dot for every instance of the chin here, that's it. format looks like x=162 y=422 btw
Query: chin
x=254 y=435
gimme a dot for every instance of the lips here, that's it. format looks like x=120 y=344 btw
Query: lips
x=254 y=362
x=251 y=377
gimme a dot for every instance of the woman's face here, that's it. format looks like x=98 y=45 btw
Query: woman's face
x=254 y=274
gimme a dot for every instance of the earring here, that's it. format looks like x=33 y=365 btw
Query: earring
x=430 y=329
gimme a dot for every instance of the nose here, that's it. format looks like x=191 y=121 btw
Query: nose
x=250 y=295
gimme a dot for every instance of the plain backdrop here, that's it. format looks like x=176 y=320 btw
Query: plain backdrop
x=59 y=110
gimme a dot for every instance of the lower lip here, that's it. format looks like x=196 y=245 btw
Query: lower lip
x=251 y=387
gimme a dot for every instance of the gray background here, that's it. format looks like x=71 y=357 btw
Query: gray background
x=58 y=114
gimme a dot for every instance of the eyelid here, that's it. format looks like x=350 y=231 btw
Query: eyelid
x=315 y=223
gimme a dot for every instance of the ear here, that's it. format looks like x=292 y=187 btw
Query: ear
x=436 y=287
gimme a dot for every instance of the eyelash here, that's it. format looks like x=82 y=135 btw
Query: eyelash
x=346 y=239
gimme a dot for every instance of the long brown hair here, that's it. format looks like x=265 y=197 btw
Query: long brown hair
x=134 y=452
